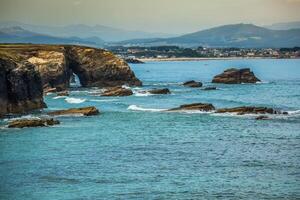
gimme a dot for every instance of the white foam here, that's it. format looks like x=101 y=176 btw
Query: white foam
x=74 y=100
x=294 y=112
x=22 y=117
x=142 y=94
x=137 y=108
x=59 y=97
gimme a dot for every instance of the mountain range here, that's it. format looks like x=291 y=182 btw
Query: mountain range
x=236 y=35
x=106 y=33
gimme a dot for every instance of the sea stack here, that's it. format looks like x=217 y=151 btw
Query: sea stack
x=236 y=76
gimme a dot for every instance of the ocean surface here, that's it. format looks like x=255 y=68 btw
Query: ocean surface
x=135 y=150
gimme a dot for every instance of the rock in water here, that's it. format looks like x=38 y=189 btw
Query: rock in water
x=20 y=87
x=236 y=76
x=194 y=106
x=86 y=111
x=248 y=110
x=134 y=61
x=160 y=91
x=63 y=93
x=117 y=91
x=262 y=117
x=210 y=88
x=192 y=84
x=22 y=123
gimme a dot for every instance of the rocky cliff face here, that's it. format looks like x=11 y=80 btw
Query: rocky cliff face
x=20 y=87
x=26 y=69
x=97 y=67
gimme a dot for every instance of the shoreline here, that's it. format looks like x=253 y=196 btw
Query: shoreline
x=204 y=59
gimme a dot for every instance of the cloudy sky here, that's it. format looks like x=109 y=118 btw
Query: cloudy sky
x=169 y=16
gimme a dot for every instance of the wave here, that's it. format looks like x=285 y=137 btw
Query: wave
x=142 y=94
x=59 y=97
x=137 y=108
x=294 y=112
x=74 y=100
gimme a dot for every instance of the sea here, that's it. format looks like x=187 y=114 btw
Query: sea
x=136 y=150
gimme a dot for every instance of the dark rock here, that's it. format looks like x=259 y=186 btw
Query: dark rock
x=236 y=76
x=86 y=111
x=210 y=88
x=134 y=61
x=262 y=117
x=50 y=90
x=22 y=123
x=248 y=110
x=194 y=106
x=20 y=87
x=117 y=91
x=62 y=93
x=192 y=84
x=160 y=91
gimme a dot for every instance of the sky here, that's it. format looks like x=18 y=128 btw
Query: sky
x=166 y=16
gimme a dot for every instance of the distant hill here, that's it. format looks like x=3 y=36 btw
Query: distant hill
x=236 y=35
x=17 y=34
x=284 y=26
x=106 y=33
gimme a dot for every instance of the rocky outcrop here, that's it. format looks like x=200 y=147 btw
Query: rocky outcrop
x=262 y=117
x=160 y=91
x=236 y=76
x=98 y=67
x=22 y=123
x=117 y=91
x=62 y=93
x=86 y=111
x=248 y=110
x=192 y=84
x=20 y=87
x=195 y=106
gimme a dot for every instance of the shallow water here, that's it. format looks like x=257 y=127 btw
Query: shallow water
x=134 y=150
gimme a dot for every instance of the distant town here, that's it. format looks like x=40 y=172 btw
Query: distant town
x=169 y=52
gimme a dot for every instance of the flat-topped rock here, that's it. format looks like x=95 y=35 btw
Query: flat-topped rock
x=160 y=91
x=86 y=111
x=236 y=76
x=117 y=91
x=248 y=110
x=192 y=84
x=194 y=106
x=22 y=123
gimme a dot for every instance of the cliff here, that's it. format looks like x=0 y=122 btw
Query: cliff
x=26 y=69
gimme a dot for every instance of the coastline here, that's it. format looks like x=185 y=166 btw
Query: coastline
x=204 y=59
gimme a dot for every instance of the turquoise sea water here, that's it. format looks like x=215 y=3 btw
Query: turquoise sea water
x=134 y=150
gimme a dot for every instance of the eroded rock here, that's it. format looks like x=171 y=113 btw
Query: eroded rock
x=194 y=106
x=22 y=123
x=117 y=91
x=248 y=110
x=236 y=76
x=160 y=91
x=86 y=111
x=192 y=84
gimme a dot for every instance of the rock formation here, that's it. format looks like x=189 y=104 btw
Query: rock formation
x=192 y=84
x=210 y=88
x=86 y=111
x=117 y=91
x=248 y=110
x=194 y=106
x=20 y=87
x=160 y=91
x=22 y=123
x=236 y=76
x=134 y=61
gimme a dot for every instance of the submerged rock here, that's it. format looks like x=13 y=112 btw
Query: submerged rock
x=262 y=117
x=117 y=91
x=20 y=87
x=160 y=91
x=194 y=106
x=210 y=88
x=22 y=123
x=236 y=76
x=86 y=111
x=192 y=84
x=248 y=110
